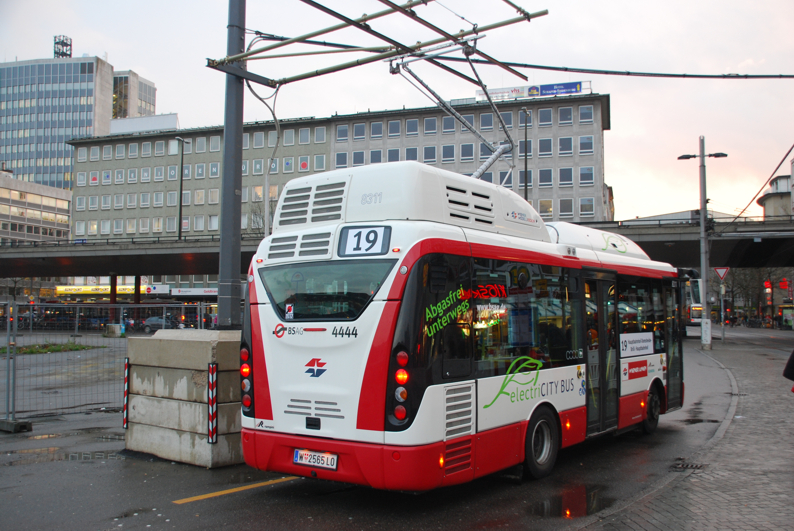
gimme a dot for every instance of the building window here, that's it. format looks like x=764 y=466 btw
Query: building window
x=198 y=223
x=145 y=199
x=259 y=139
x=359 y=131
x=375 y=156
x=506 y=179
x=585 y=145
x=341 y=160
x=106 y=178
x=159 y=173
x=106 y=202
x=132 y=225
x=411 y=153
x=118 y=226
x=468 y=118
x=412 y=127
x=143 y=225
x=198 y=196
x=243 y=169
x=319 y=135
x=376 y=130
x=447 y=125
x=485 y=151
x=565 y=115
x=429 y=155
x=544 y=117
x=358 y=158
x=93 y=178
x=257 y=194
x=565 y=146
x=92 y=228
x=146 y=174
x=157 y=224
x=303 y=163
x=79 y=203
x=104 y=226
x=394 y=128
x=259 y=166
x=431 y=126
x=118 y=201
x=246 y=140
x=393 y=155
x=185 y=223
x=304 y=135
x=82 y=153
x=107 y=152
x=544 y=147
x=289 y=164
x=132 y=176
x=171 y=198
x=341 y=133
x=212 y=222
x=215 y=170
x=159 y=148
x=546 y=208
x=523 y=182
x=566 y=177
x=81 y=178
x=214 y=196
x=486 y=122
x=524 y=120
x=172 y=173
x=466 y=152
x=157 y=200
x=448 y=153
x=487 y=177
x=525 y=148
x=586 y=114
x=79 y=228
x=120 y=149
x=94 y=153
x=132 y=200
x=586 y=206
x=507 y=118
x=119 y=177
x=586 y=176
x=545 y=177
x=146 y=149
x=186 y=197
x=319 y=163
x=289 y=137
x=170 y=224
x=215 y=143
x=566 y=208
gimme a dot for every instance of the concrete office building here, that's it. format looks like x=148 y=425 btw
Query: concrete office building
x=46 y=102
x=777 y=199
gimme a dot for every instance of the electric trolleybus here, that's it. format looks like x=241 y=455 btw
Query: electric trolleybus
x=409 y=328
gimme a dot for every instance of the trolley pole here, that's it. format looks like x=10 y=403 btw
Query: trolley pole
x=722 y=308
x=526 y=174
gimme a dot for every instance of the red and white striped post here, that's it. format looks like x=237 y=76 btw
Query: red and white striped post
x=124 y=412
x=212 y=403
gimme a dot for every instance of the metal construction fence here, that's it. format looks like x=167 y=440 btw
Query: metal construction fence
x=69 y=358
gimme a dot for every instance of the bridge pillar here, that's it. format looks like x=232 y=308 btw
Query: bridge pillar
x=113 y=283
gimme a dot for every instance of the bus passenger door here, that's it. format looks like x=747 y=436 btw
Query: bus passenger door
x=601 y=348
x=675 y=365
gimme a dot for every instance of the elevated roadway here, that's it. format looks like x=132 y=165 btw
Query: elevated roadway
x=743 y=243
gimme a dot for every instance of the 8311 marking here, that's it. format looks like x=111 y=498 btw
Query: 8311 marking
x=341 y=331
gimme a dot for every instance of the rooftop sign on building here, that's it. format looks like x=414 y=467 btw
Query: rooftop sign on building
x=533 y=91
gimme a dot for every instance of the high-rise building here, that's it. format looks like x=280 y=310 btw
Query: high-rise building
x=46 y=102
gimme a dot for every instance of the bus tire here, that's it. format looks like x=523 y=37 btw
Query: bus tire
x=542 y=443
x=653 y=408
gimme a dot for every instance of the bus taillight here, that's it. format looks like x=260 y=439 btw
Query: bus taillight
x=244 y=354
x=246 y=401
x=400 y=394
x=245 y=370
x=400 y=413
x=401 y=376
x=402 y=358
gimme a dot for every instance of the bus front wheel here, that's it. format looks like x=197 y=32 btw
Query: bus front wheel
x=542 y=444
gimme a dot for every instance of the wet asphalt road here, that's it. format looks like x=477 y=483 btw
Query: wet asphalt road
x=138 y=492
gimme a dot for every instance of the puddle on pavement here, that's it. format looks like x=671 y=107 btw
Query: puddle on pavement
x=573 y=502
x=47 y=455
x=47 y=436
x=49 y=450
x=699 y=421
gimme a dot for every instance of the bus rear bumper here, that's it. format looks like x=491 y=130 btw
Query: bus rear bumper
x=378 y=466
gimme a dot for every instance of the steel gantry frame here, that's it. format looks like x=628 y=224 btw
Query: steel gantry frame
x=235 y=66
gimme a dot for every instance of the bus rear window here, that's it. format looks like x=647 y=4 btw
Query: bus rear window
x=338 y=290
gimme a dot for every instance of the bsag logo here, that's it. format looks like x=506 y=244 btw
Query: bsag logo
x=315 y=365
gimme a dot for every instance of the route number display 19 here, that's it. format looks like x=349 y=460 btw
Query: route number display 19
x=364 y=241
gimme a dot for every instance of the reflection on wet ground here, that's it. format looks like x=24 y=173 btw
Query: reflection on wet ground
x=574 y=501
x=698 y=421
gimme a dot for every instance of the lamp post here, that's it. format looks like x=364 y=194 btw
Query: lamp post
x=705 y=321
x=526 y=174
x=181 y=177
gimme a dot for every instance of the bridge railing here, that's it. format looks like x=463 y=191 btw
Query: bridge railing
x=249 y=238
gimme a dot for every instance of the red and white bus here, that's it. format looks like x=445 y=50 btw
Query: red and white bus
x=409 y=328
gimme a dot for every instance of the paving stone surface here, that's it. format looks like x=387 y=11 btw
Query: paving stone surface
x=747 y=478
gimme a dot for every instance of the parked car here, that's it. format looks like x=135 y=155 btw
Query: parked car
x=158 y=323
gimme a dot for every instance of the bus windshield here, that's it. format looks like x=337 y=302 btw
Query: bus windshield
x=694 y=291
x=338 y=290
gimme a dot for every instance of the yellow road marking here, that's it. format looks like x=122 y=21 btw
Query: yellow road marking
x=230 y=491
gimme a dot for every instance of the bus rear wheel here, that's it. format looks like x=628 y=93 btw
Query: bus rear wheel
x=652 y=410
x=542 y=444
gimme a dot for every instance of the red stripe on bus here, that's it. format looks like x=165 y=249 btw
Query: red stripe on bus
x=262 y=405
x=372 y=400
x=315 y=329
x=432 y=245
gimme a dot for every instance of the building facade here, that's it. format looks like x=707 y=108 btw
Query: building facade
x=777 y=199
x=46 y=102
x=128 y=185
x=31 y=212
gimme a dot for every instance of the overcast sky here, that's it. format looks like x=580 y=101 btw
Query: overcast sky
x=653 y=120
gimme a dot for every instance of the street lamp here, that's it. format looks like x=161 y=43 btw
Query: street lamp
x=705 y=321
x=526 y=175
x=181 y=177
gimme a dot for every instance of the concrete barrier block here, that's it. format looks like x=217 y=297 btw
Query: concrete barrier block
x=187 y=349
x=185 y=447
x=180 y=415
x=183 y=384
